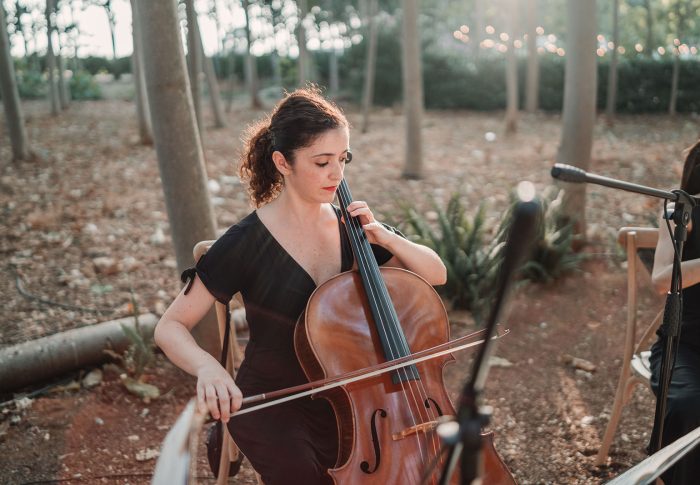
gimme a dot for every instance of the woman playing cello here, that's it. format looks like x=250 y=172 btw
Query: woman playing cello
x=276 y=257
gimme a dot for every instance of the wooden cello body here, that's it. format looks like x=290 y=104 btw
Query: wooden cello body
x=386 y=424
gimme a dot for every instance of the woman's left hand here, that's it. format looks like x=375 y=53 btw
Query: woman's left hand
x=376 y=232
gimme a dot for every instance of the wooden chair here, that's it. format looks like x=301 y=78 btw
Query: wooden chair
x=639 y=243
x=234 y=359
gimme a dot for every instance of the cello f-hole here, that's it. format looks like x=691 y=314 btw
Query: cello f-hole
x=364 y=466
x=437 y=407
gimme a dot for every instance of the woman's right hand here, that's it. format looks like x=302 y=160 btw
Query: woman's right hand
x=216 y=392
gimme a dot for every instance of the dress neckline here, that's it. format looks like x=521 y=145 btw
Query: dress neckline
x=343 y=249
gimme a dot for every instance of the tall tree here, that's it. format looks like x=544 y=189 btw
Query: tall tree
x=212 y=83
x=511 y=119
x=303 y=60
x=143 y=110
x=680 y=15
x=612 y=73
x=532 y=82
x=251 y=65
x=479 y=26
x=180 y=156
x=412 y=90
x=649 y=47
x=51 y=58
x=579 y=104
x=194 y=62
x=10 y=95
x=370 y=63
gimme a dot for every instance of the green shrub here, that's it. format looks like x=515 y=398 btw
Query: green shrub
x=83 y=86
x=552 y=254
x=470 y=252
x=31 y=84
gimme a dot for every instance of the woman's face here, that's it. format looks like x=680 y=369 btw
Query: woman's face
x=318 y=168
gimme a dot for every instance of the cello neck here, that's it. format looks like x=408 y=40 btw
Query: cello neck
x=382 y=308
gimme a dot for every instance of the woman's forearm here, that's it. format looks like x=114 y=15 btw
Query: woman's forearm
x=419 y=259
x=179 y=346
x=691 y=275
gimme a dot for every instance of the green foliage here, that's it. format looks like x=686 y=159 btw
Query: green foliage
x=552 y=254
x=473 y=252
x=83 y=86
x=31 y=84
x=141 y=351
x=470 y=252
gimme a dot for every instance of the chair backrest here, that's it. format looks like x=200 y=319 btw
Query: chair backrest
x=640 y=243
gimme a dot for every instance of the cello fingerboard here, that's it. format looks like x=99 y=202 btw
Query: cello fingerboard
x=386 y=320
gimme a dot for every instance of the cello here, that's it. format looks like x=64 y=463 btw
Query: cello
x=386 y=424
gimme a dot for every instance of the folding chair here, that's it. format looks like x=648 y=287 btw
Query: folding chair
x=233 y=360
x=640 y=243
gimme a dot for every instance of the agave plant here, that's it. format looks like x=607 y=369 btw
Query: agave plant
x=553 y=254
x=464 y=244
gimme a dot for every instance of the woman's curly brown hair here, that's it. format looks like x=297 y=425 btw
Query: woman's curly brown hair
x=294 y=123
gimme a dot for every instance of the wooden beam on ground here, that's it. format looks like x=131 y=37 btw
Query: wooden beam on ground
x=48 y=357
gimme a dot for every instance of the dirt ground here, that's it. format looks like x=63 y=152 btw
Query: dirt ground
x=94 y=192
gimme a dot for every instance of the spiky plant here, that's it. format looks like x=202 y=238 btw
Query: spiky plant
x=470 y=253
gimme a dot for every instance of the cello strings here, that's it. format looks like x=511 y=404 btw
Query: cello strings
x=391 y=336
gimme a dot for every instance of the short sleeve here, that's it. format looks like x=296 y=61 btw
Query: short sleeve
x=381 y=254
x=221 y=269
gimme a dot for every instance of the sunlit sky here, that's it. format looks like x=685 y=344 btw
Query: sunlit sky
x=94 y=28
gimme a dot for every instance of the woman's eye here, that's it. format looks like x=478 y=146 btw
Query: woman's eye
x=322 y=164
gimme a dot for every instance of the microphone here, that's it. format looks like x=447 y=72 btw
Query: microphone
x=567 y=173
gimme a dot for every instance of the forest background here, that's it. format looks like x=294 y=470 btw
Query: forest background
x=479 y=95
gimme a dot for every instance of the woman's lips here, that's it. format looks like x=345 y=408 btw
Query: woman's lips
x=330 y=189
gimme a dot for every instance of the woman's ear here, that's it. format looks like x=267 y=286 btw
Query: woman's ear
x=283 y=166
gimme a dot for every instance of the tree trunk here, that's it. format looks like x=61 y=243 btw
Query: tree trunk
x=212 y=84
x=180 y=157
x=143 y=111
x=63 y=88
x=676 y=61
x=195 y=63
x=276 y=68
x=251 y=66
x=649 y=48
x=48 y=357
x=370 y=64
x=532 y=89
x=479 y=26
x=674 y=82
x=51 y=60
x=611 y=100
x=111 y=22
x=10 y=95
x=303 y=61
x=412 y=90
x=511 y=120
x=579 y=105
x=333 y=83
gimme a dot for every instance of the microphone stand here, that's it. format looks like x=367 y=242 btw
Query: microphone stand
x=670 y=330
x=463 y=436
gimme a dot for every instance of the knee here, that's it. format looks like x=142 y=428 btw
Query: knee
x=294 y=466
x=683 y=411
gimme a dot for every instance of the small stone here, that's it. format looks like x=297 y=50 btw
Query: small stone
x=144 y=412
x=105 y=265
x=213 y=186
x=586 y=420
x=496 y=361
x=92 y=379
x=133 y=437
x=158 y=237
x=625 y=438
x=99 y=421
x=147 y=454
x=47 y=436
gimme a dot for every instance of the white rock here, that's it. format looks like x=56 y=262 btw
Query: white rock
x=586 y=420
x=213 y=186
x=496 y=361
x=93 y=378
x=99 y=421
x=133 y=437
x=147 y=454
x=158 y=237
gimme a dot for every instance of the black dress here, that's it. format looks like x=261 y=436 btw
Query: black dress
x=295 y=442
x=683 y=405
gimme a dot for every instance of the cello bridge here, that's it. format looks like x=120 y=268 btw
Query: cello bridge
x=418 y=428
